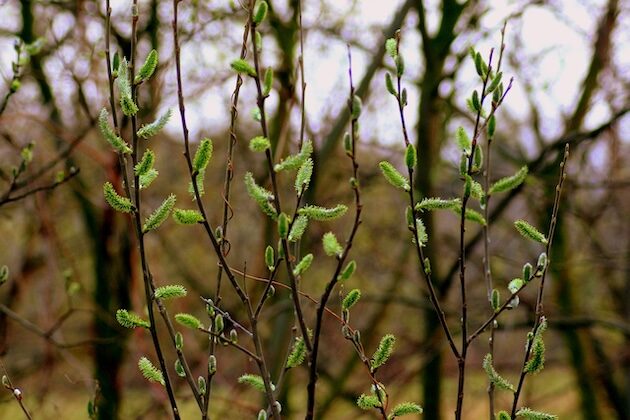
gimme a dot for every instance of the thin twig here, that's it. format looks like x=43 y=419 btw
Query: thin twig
x=426 y=273
x=16 y=392
x=352 y=154
x=209 y=231
x=541 y=288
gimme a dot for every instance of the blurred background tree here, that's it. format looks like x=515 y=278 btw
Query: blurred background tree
x=73 y=263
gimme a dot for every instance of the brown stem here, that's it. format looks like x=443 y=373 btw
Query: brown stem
x=146 y=273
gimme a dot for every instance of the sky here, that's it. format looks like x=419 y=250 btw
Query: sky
x=558 y=45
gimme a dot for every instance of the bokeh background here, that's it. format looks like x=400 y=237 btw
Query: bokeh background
x=73 y=261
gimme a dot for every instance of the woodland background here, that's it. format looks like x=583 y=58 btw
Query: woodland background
x=72 y=259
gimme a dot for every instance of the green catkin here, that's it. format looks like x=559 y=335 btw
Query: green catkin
x=529 y=232
x=170 y=292
x=351 y=299
x=510 y=182
x=331 y=245
x=153 y=128
x=298 y=228
x=383 y=352
x=322 y=213
x=118 y=203
x=188 y=321
x=187 y=217
x=394 y=177
x=160 y=214
x=494 y=377
x=150 y=372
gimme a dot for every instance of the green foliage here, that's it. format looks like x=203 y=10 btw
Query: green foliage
x=150 y=372
x=298 y=353
x=147 y=178
x=262 y=414
x=179 y=341
x=108 y=133
x=494 y=377
x=468 y=185
x=303 y=177
x=347 y=144
x=187 y=216
x=515 y=285
x=510 y=182
x=357 y=106
x=477 y=159
x=322 y=213
x=368 y=402
x=529 y=414
x=410 y=156
x=394 y=177
x=421 y=230
x=536 y=360
x=283 y=226
x=153 y=128
x=529 y=232
x=478 y=193
x=351 y=299
x=476 y=104
x=503 y=415
x=201 y=385
x=405 y=408
x=348 y=271
x=389 y=84
x=255 y=381
x=179 y=369
x=212 y=364
x=472 y=215
x=219 y=324
x=260 y=11
x=171 y=291
x=160 y=214
x=303 y=265
x=438 y=204
x=463 y=141
x=496 y=300
x=527 y=272
x=492 y=126
x=383 y=352
x=203 y=155
x=188 y=321
x=331 y=245
x=145 y=164
x=541 y=264
x=128 y=106
x=260 y=195
x=495 y=82
x=148 y=67
x=243 y=67
x=270 y=258
x=259 y=144
x=130 y=320
x=268 y=81
x=391 y=46
x=298 y=228
x=294 y=162
x=118 y=203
